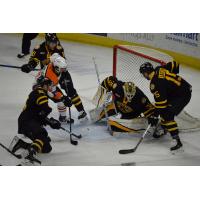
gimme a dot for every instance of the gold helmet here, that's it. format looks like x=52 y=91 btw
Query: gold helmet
x=129 y=90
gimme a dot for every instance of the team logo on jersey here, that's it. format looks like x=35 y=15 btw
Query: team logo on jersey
x=152 y=86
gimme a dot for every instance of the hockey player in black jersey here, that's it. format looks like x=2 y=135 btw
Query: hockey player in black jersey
x=41 y=56
x=32 y=120
x=171 y=93
x=129 y=101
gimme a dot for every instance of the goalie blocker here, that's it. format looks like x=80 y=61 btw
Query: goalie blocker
x=128 y=101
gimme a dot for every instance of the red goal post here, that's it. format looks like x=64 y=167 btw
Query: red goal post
x=127 y=60
x=127 y=49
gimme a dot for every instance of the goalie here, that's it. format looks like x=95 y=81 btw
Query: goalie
x=132 y=106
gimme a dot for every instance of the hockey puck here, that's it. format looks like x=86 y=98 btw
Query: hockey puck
x=128 y=164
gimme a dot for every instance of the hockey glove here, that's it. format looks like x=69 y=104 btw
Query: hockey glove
x=26 y=68
x=53 y=123
x=67 y=102
x=153 y=120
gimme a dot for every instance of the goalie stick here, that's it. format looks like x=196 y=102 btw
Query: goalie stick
x=104 y=106
x=126 y=151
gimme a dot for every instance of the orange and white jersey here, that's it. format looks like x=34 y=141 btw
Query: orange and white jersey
x=48 y=72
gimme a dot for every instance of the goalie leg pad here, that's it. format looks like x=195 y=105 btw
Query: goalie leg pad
x=98 y=114
x=124 y=125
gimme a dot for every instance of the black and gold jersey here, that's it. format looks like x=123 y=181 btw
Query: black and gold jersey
x=172 y=67
x=139 y=104
x=36 y=106
x=167 y=86
x=41 y=55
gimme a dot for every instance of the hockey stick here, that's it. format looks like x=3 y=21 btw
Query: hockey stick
x=15 y=67
x=74 y=142
x=126 y=151
x=17 y=155
x=8 y=150
x=104 y=106
x=68 y=131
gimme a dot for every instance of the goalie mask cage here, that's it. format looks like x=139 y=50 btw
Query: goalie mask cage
x=127 y=60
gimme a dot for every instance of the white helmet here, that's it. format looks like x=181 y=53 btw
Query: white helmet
x=58 y=61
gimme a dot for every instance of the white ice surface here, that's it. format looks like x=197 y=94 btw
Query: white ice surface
x=96 y=147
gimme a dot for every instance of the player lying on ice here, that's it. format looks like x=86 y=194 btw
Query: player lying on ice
x=41 y=56
x=133 y=107
x=171 y=93
x=31 y=123
x=53 y=72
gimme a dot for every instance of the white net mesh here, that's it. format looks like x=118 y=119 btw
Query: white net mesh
x=127 y=62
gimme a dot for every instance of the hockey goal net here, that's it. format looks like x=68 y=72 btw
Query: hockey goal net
x=126 y=63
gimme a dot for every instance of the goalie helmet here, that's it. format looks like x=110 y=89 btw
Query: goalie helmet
x=129 y=90
x=59 y=62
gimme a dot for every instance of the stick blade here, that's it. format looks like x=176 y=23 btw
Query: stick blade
x=126 y=151
x=74 y=142
x=79 y=136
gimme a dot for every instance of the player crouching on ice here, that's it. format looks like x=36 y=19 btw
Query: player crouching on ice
x=31 y=123
x=129 y=102
x=171 y=93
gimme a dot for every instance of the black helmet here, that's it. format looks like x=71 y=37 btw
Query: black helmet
x=51 y=37
x=146 y=67
x=41 y=81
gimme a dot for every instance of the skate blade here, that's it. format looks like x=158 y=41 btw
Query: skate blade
x=26 y=162
x=178 y=151
x=83 y=120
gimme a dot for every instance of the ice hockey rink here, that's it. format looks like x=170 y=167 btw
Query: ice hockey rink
x=97 y=147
